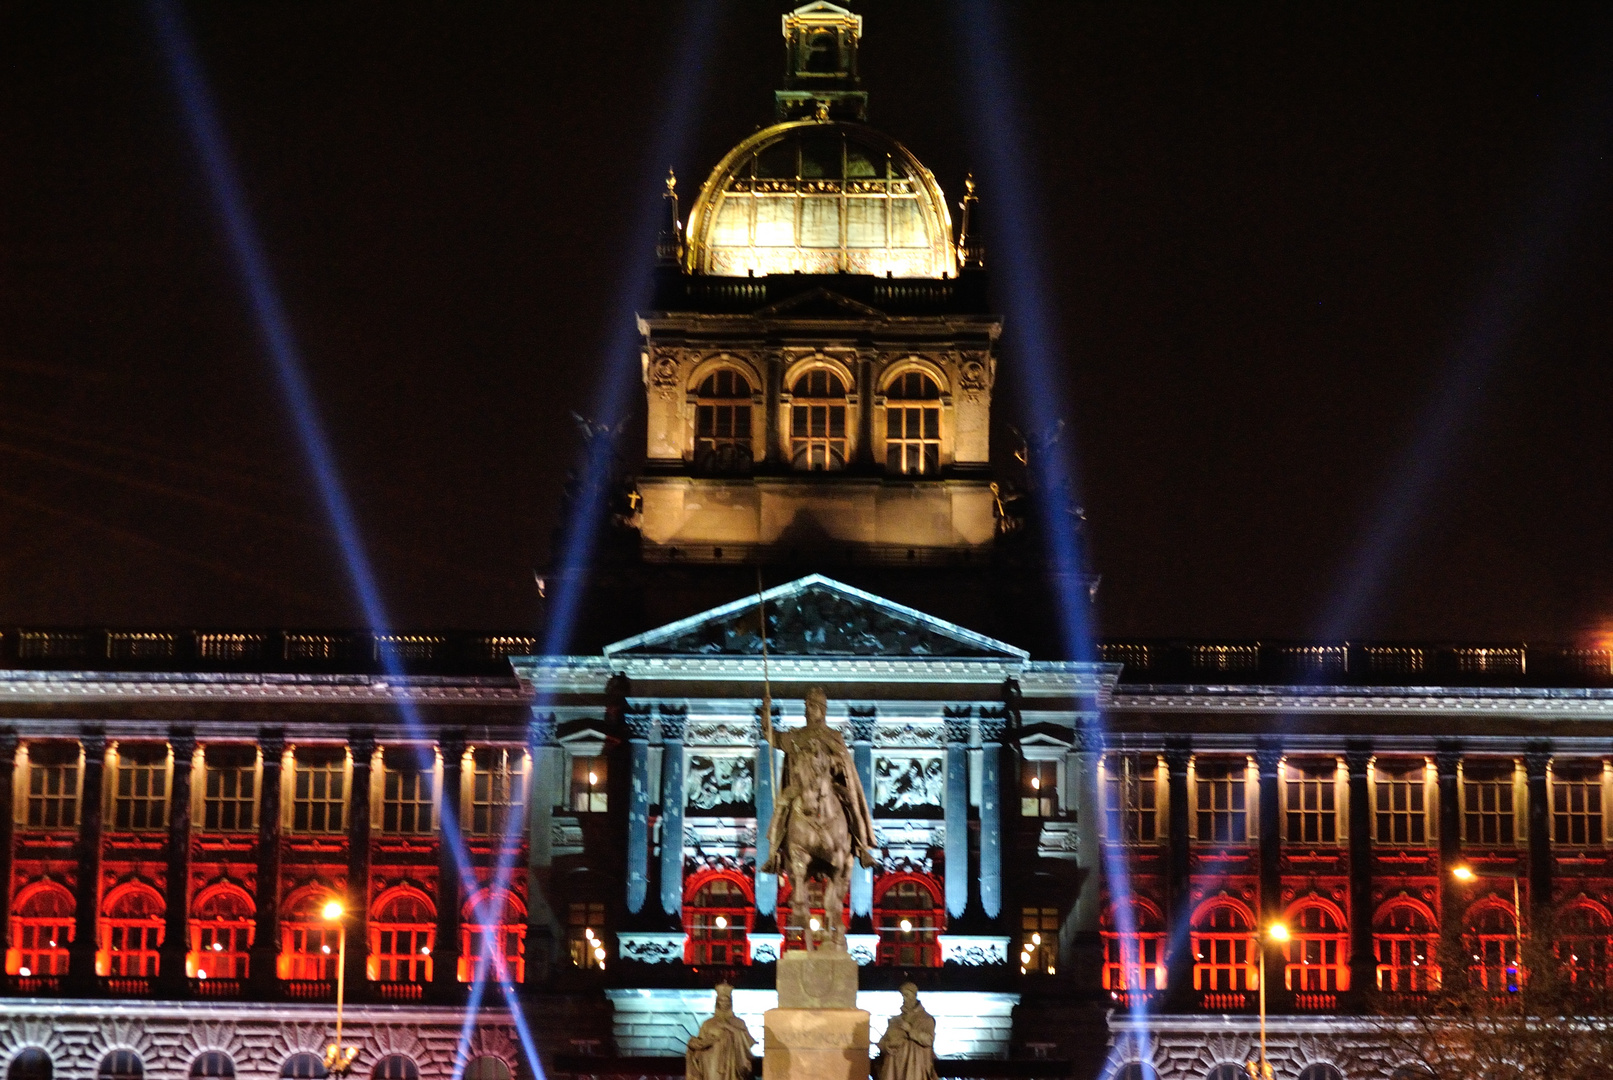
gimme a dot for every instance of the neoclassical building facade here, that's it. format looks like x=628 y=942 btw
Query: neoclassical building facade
x=549 y=861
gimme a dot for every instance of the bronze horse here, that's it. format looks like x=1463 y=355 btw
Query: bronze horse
x=818 y=841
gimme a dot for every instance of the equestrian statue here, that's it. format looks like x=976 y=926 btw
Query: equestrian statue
x=820 y=817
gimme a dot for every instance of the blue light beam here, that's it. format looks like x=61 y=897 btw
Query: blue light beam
x=230 y=204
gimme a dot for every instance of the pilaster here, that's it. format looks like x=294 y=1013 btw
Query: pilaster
x=1178 y=879
x=672 y=728
x=1536 y=764
x=1268 y=758
x=638 y=723
x=9 y=743
x=1363 y=962
x=171 y=974
x=450 y=893
x=955 y=815
x=862 y=877
x=87 y=895
x=361 y=745
x=991 y=849
x=261 y=969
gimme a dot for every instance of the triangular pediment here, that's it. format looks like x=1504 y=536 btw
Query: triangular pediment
x=819 y=302
x=815 y=616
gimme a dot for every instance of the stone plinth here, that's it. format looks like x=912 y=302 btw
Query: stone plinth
x=825 y=979
x=815 y=1044
x=817 y=1032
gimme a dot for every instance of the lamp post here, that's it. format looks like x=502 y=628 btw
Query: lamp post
x=1277 y=932
x=1467 y=875
x=338 y=1060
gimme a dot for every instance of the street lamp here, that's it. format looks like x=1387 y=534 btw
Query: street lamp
x=1467 y=875
x=338 y=1060
x=1277 y=932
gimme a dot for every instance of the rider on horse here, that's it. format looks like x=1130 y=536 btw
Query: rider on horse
x=812 y=754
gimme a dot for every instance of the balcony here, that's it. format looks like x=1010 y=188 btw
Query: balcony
x=308 y=989
x=1226 y=1001
x=1313 y=1001
x=395 y=992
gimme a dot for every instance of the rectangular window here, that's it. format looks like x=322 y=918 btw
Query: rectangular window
x=588 y=794
x=1311 y=804
x=495 y=790
x=1039 y=940
x=229 y=789
x=1038 y=789
x=140 y=796
x=1400 y=813
x=1131 y=799
x=317 y=801
x=1576 y=809
x=407 y=791
x=585 y=928
x=53 y=786
x=1487 y=806
x=1222 y=814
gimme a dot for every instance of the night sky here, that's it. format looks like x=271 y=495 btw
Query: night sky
x=1274 y=233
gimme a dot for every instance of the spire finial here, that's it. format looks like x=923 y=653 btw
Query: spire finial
x=669 y=245
x=671 y=183
x=971 y=241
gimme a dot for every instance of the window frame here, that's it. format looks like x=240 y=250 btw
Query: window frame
x=338 y=764
x=1568 y=780
x=1124 y=804
x=132 y=941
x=1133 y=958
x=1241 y=962
x=1311 y=802
x=702 y=937
x=488 y=815
x=922 y=942
x=230 y=962
x=1413 y=951
x=215 y=803
x=1316 y=958
x=1240 y=811
x=1387 y=782
x=510 y=927
x=402 y=951
x=25 y=925
x=401 y=769
x=1501 y=778
x=139 y=788
x=929 y=444
x=798 y=405
x=741 y=411
x=68 y=805
x=309 y=944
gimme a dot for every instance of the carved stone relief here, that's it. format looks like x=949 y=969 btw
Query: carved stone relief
x=716 y=780
x=908 y=781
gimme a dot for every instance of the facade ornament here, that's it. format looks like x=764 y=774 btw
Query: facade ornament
x=1268 y=755
x=1448 y=759
x=650 y=948
x=821 y=816
x=991 y=729
x=957 y=729
x=721 y=1049
x=714 y=780
x=907 y=1049
x=638 y=720
x=664 y=372
x=973 y=951
x=1357 y=757
x=902 y=783
x=1537 y=757
x=860 y=719
x=541 y=732
x=673 y=720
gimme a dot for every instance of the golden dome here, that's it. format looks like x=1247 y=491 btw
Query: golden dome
x=820 y=197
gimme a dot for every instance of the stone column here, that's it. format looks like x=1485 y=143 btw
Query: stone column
x=8 y=771
x=450 y=895
x=862 y=877
x=766 y=884
x=171 y=975
x=1267 y=758
x=955 y=815
x=1363 y=961
x=1447 y=762
x=672 y=727
x=1178 y=880
x=991 y=801
x=81 y=953
x=1082 y=951
x=1536 y=760
x=261 y=969
x=638 y=810
x=549 y=788
x=361 y=744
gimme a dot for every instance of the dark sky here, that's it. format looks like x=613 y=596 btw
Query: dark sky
x=1269 y=228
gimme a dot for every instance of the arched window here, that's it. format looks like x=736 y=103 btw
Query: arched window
x=131 y=931
x=487 y=1067
x=1318 y=948
x=717 y=918
x=1407 y=943
x=1136 y=1070
x=818 y=421
x=303 y=1066
x=502 y=916
x=121 y=1065
x=722 y=426
x=913 y=425
x=1321 y=1070
x=1583 y=946
x=32 y=1064
x=909 y=917
x=213 y=1065
x=1225 y=1071
x=42 y=928
x=309 y=943
x=1134 y=955
x=793 y=938
x=1224 y=955
x=402 y=933
x=396 y=1067
x=221 y=933
x=1492 y=941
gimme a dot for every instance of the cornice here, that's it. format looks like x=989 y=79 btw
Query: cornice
x=231 y=686
x=1577 y=703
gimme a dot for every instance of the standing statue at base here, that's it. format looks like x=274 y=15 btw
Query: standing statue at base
x=907 y=1049
x=820 y=820
x=721 y=1049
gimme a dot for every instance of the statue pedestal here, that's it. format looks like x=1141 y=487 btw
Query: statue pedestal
x=817 y=1032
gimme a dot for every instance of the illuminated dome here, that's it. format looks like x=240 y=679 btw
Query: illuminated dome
x=821 y=197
